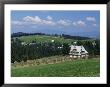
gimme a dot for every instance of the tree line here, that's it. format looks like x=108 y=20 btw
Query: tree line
x=20 y=52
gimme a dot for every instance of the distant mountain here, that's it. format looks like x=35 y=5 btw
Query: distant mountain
x=18 y=34
x=75 y=37
x=91 y=34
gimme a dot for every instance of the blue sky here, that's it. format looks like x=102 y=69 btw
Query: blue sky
x=76 y=23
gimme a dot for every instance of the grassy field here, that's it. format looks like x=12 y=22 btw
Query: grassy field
x=43 y=38
x=74 y=68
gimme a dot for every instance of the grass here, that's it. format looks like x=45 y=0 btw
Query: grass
x=74 y=68
x=43 y=38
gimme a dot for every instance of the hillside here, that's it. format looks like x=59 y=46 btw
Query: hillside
x=39 y=46
x=41 y=37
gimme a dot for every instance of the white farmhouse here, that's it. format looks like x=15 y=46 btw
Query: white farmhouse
x=78 y=51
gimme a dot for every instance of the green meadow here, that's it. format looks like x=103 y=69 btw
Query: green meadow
x=73 y=68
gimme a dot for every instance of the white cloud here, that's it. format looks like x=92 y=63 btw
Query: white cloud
x=49 y=18
x=33 y=20
x=63 y=22
x=46 y=22
x=74 y=23
x=94 y=25
x=92 y=19
x=38 y=20
x=79 y=23
x=28 y=18
x=18 y=23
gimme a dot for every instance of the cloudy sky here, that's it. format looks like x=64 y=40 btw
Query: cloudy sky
x=76 y=23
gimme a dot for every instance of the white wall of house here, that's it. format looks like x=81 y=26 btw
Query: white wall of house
x=78 y=51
